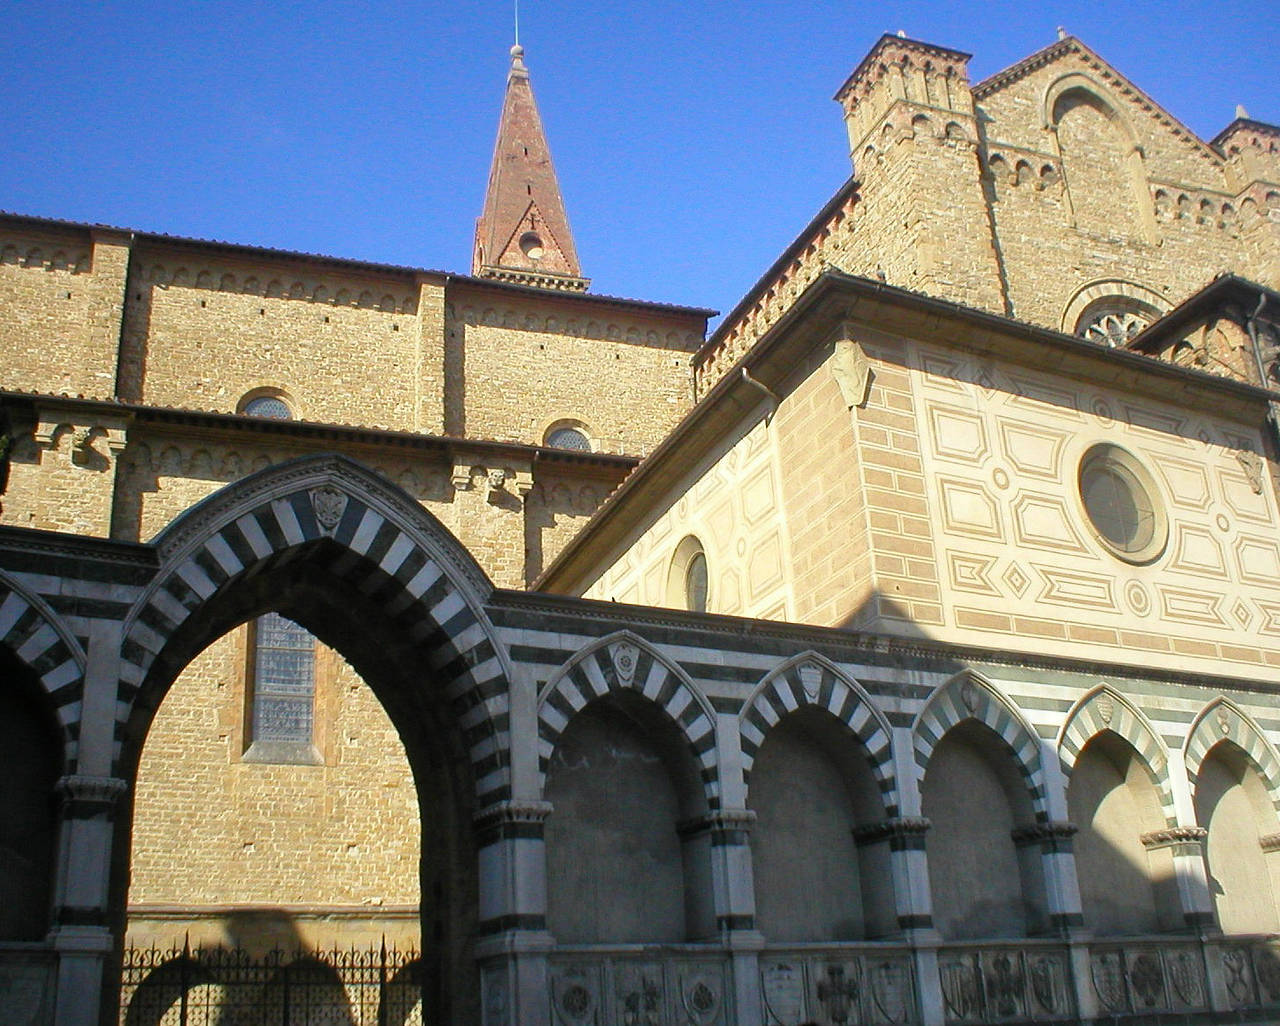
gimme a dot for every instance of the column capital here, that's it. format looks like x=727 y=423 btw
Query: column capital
x=1184 y=840
x=86 y=796
x=726 y=826
x=510 y=820
x=902 y=832
x=1052 y=836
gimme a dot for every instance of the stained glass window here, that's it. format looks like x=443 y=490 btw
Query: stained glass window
x=283 y=680
x=269 y=406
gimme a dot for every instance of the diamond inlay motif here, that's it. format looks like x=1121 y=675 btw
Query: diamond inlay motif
x=1017 y=581
x=1241 y=614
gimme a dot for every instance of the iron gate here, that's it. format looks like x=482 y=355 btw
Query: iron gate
x=230 y=987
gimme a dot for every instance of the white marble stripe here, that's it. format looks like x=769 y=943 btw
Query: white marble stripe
x=654 y=681
x=61 y=675
x=595 y=675
x=253 y=534
x=785 y=696
x=131 y=673
x=444 y=610
x=553 y=718
x=218 y=548
x=420 y=582
x=366 y=530
x=492 y=781
x=196 y=579
x=146 y=637
x=752 y=732
x=545 y=749
x=11 y=611
x=287 y=519
x=69 y=714
x=43 y=638
x=397 y=553
x=678 y=703
x=168 y=606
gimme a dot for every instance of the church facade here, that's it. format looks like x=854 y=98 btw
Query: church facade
x=906 y=651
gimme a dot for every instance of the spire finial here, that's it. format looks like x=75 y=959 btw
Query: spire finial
x=1241 y=112
x=517 y=10
x=1062 y=33
x=517 y=57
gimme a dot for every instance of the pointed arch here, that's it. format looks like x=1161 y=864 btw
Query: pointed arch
x=386 y=548
x=38 y=638
x=810 y=679
x=1223 y=720
x=970 y=696
x=623 y=661
x=1105 y=709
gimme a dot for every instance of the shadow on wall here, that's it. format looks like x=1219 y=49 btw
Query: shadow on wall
x=244 y=980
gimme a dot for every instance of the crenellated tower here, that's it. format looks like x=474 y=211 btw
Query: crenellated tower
x=914 y=142
x=523 y=234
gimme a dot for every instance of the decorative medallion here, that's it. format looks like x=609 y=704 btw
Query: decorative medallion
x=1147 y=979
x=1235 y=963
x=839 y=990
x=1000 y=477
x=329 y=504
x=782 y=987
x=1107 y=970
x=961 y=989
x=892 y=986
x=573 y=1000
x=970 y=696
x=624 y=663
x=1106 y=706
x=1267 y=971
x=1102 y=411
x=1138 y=599
x=810 y=679
x=1187 y=977
x=1047 y=979
x=699 y=994
x=1224 y=721
x=1003 y=981
x=640 y=1000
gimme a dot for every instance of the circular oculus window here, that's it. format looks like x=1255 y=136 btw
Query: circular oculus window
x=531 y=245
x=1121 y=503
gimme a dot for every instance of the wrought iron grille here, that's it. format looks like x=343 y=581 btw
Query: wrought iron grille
x=230 y=987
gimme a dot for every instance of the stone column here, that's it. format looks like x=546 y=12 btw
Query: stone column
x=1058 y=870
x=721 y=841
x=81 y=934
x=513 y=939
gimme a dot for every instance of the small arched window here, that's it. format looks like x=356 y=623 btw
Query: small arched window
x=266 y=404
x=688 y=580
x=568 y=434
x=569 y=438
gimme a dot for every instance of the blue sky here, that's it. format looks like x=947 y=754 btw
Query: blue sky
x=692 y=140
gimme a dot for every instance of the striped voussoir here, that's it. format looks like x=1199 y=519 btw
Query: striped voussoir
x=624 y=662
x=33 y=632
x=1222 y=720
x=1106 y=709
x=377 y=558
x=967 y=696
x=809 y=680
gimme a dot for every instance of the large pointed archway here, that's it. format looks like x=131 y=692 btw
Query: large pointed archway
x=340 y=551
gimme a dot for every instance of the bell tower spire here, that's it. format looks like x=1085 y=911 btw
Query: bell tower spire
x=523 y=234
